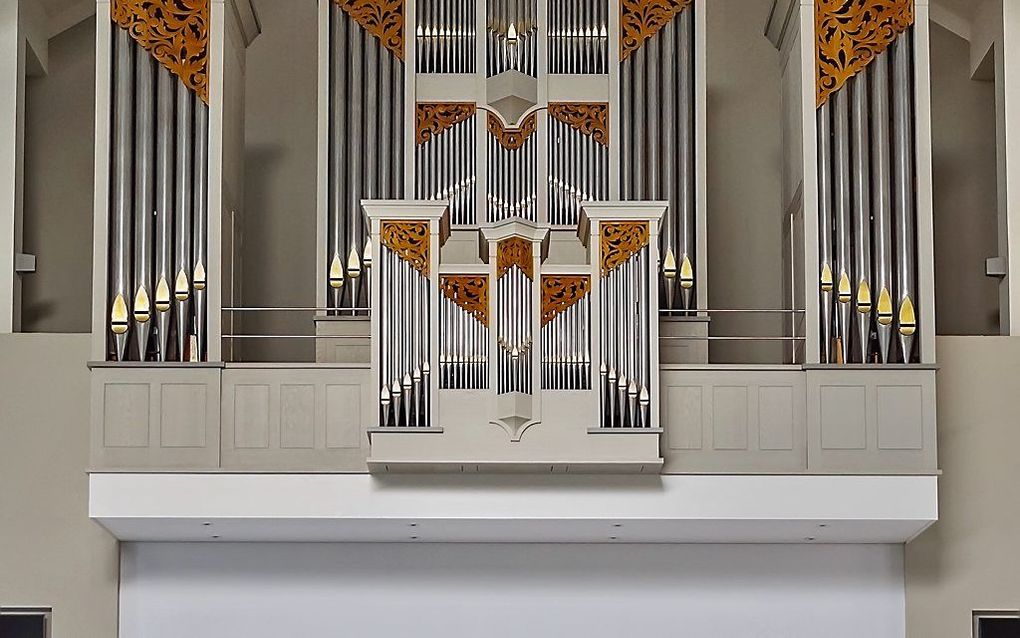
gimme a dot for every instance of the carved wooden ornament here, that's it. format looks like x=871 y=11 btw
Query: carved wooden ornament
x=515 y=251
x=470 y=293
x=559 y=293
x=592 y=118
x=619 y=241
x=512 y=138
x=410 y=240
x=850 y=33
x=175 y=32
x=383 y=19
x=433 y=118
x=642 y=19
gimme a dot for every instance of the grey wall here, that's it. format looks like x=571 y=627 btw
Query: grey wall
x=963 y=152
x=51 y=554
x=744 y=178
x=279 y=248
x=59 y=158
x=970 y=559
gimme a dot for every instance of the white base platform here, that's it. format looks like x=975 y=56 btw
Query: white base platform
x=478 y=508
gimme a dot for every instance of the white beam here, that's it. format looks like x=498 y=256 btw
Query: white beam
x=1007 y=75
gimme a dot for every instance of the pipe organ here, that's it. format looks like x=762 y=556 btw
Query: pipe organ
x=578 y=37
x=512 y=37
x=158 y=200
x=867 y=181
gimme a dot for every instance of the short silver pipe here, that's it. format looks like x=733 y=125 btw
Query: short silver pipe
x=842 y=272
x=182 y=232
x=882 y=205
x=903 y=202
x=165 y=214
x=861 y=173
x=825 y=266
x=200 y=228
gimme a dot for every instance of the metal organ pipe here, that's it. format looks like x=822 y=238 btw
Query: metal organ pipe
x=120 y=228
x=882 y=202
x=144 y=192
x=861 y=217
x=201 y=225
x=578 y=37
x=825 y=229
x=842 y=271
x=183 y=220
x=903 y=202
x=165 y=92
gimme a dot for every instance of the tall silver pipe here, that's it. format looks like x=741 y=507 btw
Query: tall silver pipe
x=355 y=148
x=165 y=95
x=686 y=234
x=861 y=216
x=144 y=192
x=825 y=228
x=842 y=271
x=201 y=226
x=120 y=235
x=881 y=197
x=182 y=231
x=903 y=167
x=337 y=156
x=671 y=133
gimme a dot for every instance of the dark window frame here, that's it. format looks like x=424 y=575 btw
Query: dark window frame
x=991 y=614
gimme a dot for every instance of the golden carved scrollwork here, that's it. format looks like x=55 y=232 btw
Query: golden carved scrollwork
x=619 y=241
x=175 y=32
x=432 y=118
x=383 y=19
x=850 y=33
x=470 y=292
x=642 y=19
x=559 y=293
x=590 y=118
x=410 y=240
x=515 y=251
x=512 y=138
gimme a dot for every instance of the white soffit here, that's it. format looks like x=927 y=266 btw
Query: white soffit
x=480 y=508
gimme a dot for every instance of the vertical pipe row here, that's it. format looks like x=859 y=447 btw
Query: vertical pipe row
x=657 y=100
x=626 y=315
x=446 y=36
x=566 y=362
x=445 y=167
x=867 y=214
x=578 y=37
x=511 y=37
x=512 y=181
x=464 y=359
x=158 y=180
x=576 y=172
x=514 y=331
x=404 y=343
x=365 y=152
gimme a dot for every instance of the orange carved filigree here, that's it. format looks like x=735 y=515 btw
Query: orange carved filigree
x=559 y=293
x=512 y=138
x=850 y=33
x=642 y=19
x=409 y=240
x=470 y=293
x=383 y=19
x=175 y=32
x=619 y=241
x=590 y=118
x=515 y=251
x=433 y=118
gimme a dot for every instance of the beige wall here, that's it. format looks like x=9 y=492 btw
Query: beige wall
x=51 y=554
x=970 y=559
x=744 y=177
x=59 y=156
x=963 y=154
x=279 y=245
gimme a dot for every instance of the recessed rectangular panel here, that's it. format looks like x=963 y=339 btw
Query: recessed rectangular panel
x=843 y=417
x=900 y=417
x=126 y=415
x=183 y=415
x=683 y=418
x=729 y=418
x=297 y=416
x=343 y=416
x=775 y=418
x=251 y=416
